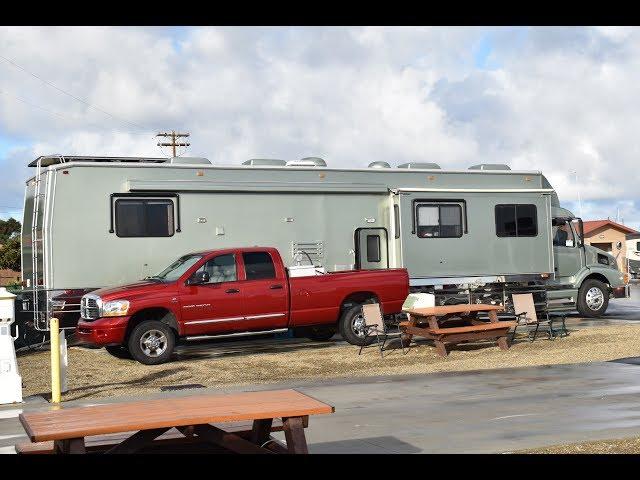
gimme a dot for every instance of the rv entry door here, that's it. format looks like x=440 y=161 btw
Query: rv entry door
x=372 y=251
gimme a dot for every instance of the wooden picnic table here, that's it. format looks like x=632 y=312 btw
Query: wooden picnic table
x=439 y=325
x=193 y=416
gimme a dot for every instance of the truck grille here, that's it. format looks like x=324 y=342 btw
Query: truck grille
x=90 y=307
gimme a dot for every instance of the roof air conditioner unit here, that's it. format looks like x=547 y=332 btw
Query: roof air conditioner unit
x=424 y=166
x=307 y=162
x=379 y=165
x=490 y=166
x=268 y=162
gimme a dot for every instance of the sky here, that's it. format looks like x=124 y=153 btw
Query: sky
x=561 y=100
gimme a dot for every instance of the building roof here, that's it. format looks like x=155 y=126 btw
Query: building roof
x=592 y=225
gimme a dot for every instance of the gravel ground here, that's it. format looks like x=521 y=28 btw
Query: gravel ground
x=624 y=445
x=93 y=373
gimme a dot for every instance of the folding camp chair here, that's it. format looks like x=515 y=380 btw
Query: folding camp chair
x=374 y=326
x=526 y=315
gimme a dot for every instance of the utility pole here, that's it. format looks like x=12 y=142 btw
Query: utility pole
x=174 y=135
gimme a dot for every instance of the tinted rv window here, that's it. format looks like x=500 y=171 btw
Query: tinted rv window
x=516 y=220
x=373 y=248
x=258 y=265
x=144 y=217
x=439 y=220
x=396 y=219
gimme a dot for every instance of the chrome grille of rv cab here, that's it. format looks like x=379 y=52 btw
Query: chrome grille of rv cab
x=90 y=307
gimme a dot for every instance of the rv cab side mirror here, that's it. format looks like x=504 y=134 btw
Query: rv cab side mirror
x=198 y=278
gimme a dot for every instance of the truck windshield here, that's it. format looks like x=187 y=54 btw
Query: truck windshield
x=174 y=271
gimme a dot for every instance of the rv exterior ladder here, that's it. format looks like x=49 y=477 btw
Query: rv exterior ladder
x=40 y=318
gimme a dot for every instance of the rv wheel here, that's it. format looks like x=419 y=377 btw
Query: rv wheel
x=352 y=326
x=593 y=298
x=118 y=351
x=151 y=342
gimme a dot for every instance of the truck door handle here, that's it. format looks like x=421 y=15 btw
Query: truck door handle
x=275 y=287
x=232 y=290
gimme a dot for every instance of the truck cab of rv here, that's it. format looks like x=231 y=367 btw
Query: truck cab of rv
x=583 y=275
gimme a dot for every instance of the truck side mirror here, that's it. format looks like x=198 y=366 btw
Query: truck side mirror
x=569 y=243
x=199 y=278
x=619 y=245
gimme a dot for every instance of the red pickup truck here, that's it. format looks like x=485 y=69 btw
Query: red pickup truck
x=231 y=291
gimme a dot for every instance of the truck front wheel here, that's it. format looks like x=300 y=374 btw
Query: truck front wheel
x=151 y=342
x=593 y=298
x=352 y=326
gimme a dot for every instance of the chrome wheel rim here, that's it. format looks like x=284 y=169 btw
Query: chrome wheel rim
x=595 y=298
x=357 y=325
x=153 y=343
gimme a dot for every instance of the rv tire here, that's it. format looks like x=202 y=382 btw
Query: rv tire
x=351 y=326
x=593 y=298
x=151 y=342
x=118 y=351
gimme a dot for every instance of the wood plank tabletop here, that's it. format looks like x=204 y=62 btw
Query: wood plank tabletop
x=75 y=422
x=449 y=309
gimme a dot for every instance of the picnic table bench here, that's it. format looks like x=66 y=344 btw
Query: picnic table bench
x=464 y=321
x=240 y=423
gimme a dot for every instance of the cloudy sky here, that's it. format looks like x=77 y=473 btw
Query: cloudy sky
x=562 y=100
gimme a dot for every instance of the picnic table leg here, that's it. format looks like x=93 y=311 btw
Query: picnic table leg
x=441 y=348
x=71 y=445
x=294 y=434
x=261 y=431
x=503 y=343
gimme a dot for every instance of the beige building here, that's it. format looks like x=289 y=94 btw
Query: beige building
x=608 y=235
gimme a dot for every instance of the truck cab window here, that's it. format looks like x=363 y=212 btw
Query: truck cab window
x=516 y=220
x=562 y=233
x=439 y=220
x=220 y=269
x=258 y=265
x=142 y=217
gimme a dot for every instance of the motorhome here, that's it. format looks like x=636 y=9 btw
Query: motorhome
x=633 y=254
x=470 y=235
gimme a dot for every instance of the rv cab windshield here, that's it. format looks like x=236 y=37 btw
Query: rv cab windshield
x=174 y=271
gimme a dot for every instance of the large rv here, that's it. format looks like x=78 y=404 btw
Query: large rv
x=470 y=235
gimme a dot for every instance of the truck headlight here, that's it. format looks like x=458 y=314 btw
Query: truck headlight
x=115 y=308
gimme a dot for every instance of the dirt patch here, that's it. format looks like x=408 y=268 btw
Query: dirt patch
x=624 y=445
x=95 y=373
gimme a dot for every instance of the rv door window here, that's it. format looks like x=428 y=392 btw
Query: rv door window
x=516 y=220
x=144 y=217
x=373 y=248
x=439 y=220
x=258 y=265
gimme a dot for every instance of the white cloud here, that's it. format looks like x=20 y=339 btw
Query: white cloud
x=555 y=99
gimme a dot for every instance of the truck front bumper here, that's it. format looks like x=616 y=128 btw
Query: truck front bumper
x=103 y=331
x=621 y=292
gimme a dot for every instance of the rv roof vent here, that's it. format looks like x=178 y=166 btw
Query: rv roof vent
x=269 y=162
x=191 y=160
x=427 y=166
x=307 y=162
x=490 y=166
x=379 y=165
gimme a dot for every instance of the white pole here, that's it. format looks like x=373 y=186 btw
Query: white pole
x=64 y=362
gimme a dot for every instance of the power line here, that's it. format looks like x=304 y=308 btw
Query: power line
x=63 y=116
x=70 y=94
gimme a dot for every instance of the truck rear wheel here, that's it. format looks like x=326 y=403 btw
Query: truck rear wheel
x=593 y=298
x=118 y=351
x=352 y=326
x=151 y=342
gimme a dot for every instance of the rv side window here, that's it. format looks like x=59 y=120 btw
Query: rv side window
x=144 y=217
x=516 y=220
x=439 y=220
x=258 y=265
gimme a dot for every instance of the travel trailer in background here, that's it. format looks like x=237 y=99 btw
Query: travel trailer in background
x=633 y=254
x=471 y=235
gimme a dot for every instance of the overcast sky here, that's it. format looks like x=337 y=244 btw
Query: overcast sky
x=561 y=100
